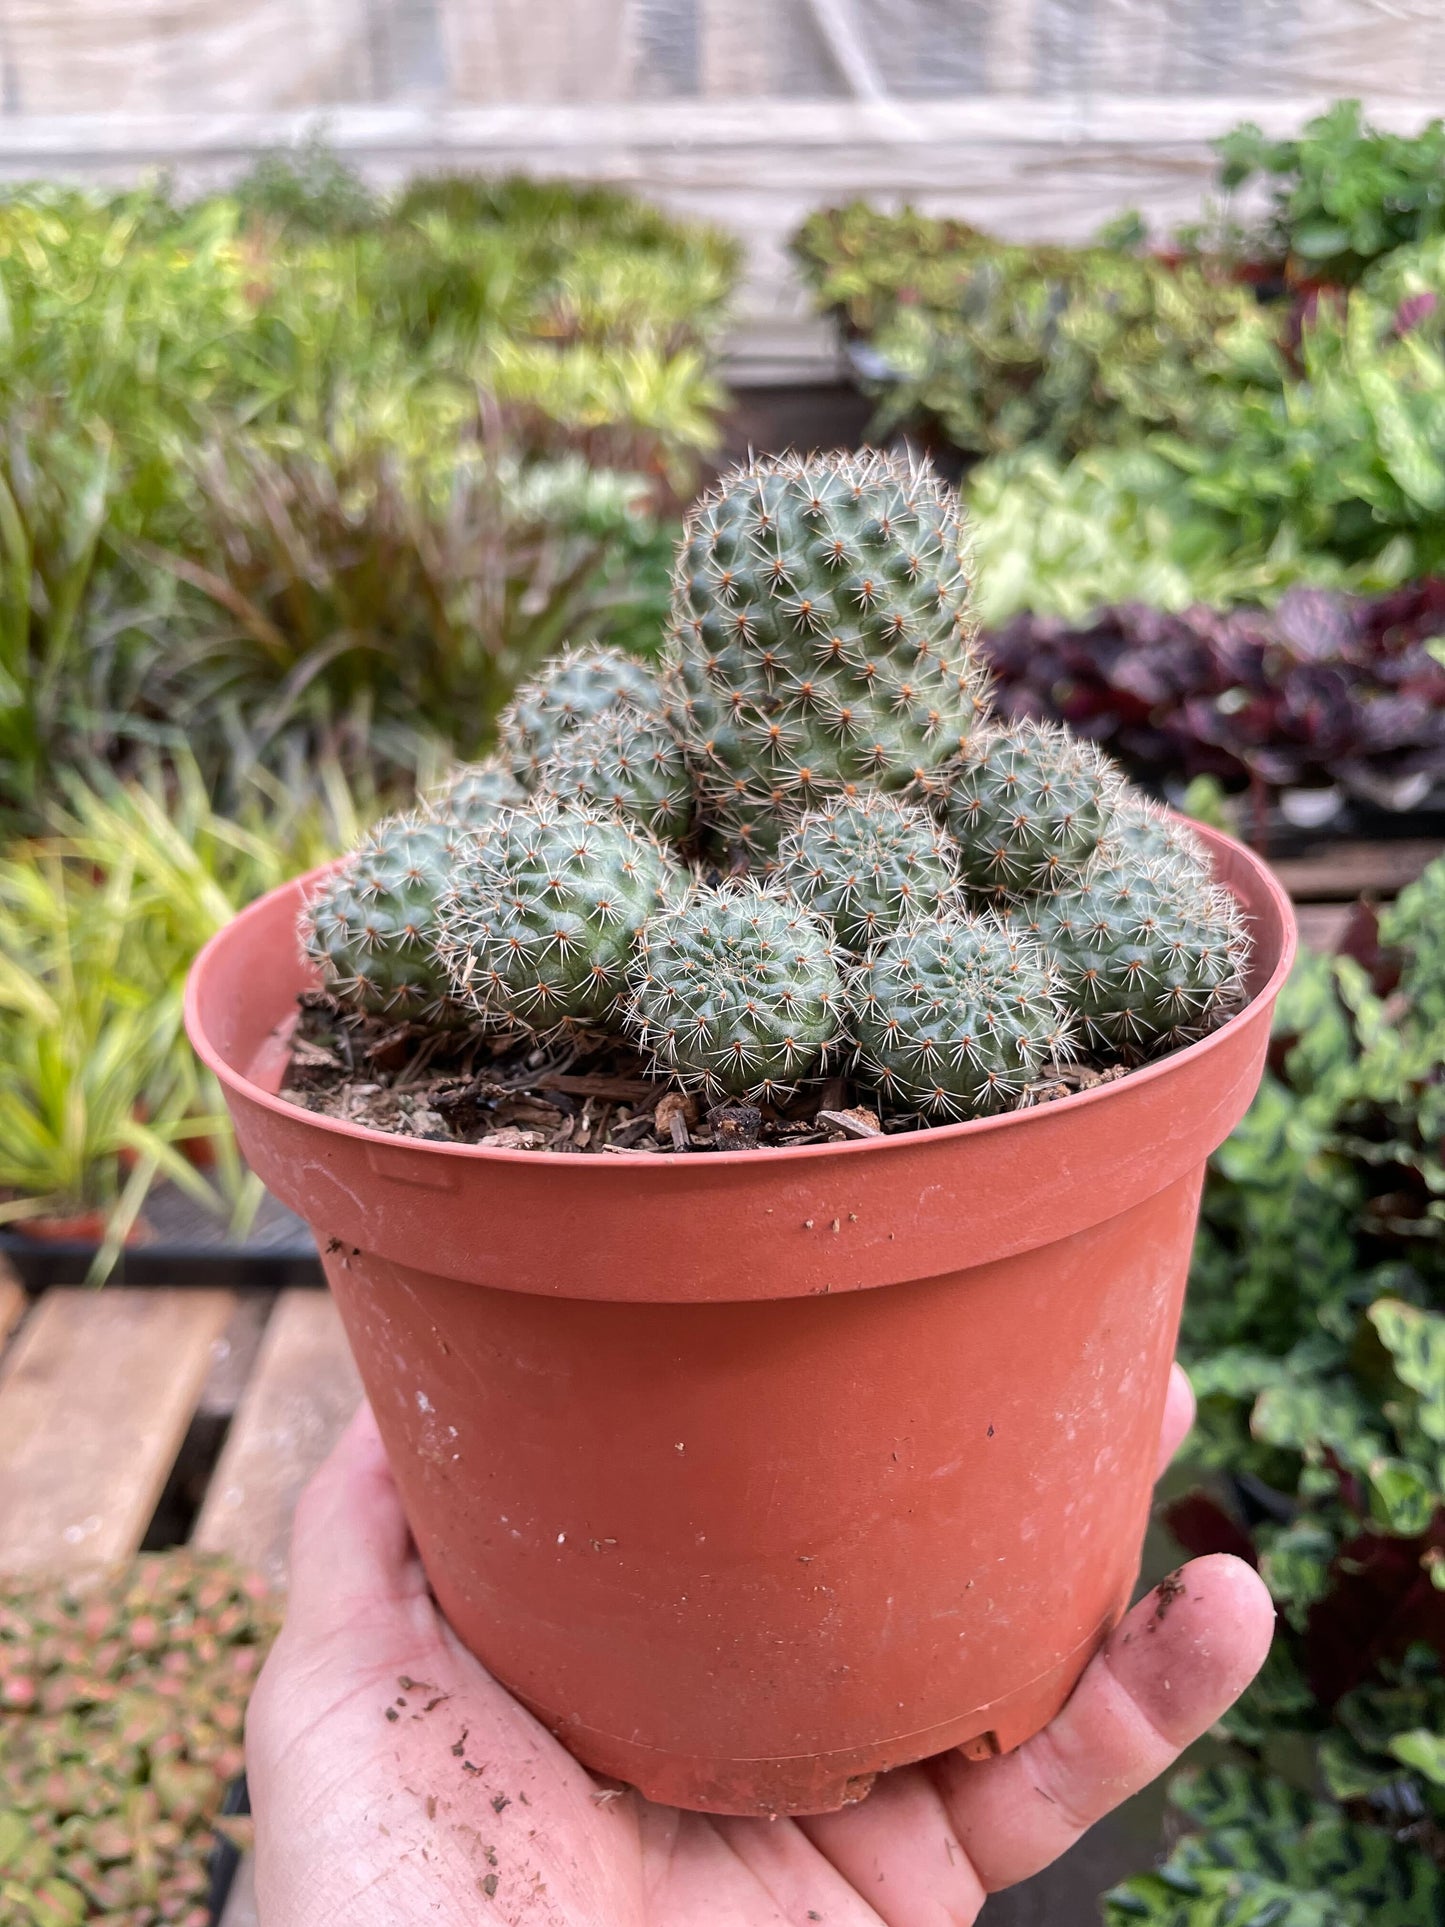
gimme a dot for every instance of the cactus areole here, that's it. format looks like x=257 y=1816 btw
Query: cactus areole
x=757 y=1472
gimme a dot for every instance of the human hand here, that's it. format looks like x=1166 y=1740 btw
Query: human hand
x=394 y=1782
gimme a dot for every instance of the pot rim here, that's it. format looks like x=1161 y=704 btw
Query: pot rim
x=669 y=1162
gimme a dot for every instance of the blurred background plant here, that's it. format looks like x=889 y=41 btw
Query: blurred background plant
x=124 y=1705
x=1323 y=698
x=992 y=347
x=1315 y=1337
x=1340 y=194
x=100 y=917
x=284 y=462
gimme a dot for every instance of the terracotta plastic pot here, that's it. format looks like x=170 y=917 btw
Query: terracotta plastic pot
x=756 y=1473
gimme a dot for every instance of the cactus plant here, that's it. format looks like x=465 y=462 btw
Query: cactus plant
x=624 y=761
x=580 y=683
x=735 y=990
x=1028 y=806
x=957 y=1015
x=1139 y=829
x=823 y=707
x=868 y=863
x=538 y=922
x=1149 y=956
x=821 y=636
x=475 y=794
x=369 y=926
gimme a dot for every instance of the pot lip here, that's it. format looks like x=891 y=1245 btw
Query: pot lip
x=670 y=1162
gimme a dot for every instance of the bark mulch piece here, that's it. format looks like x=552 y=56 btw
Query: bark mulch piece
x=585 y=1093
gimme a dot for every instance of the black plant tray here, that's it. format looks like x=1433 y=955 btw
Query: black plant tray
x=185 y=1246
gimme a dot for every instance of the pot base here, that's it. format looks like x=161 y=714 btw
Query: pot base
x=822 y=1783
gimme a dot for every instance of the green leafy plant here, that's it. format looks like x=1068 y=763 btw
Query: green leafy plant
x=1267 y=1855
x=73 y=618
x=1121 y=525
x=1336 y=451
x=123 y=1707
x=1342 y=193
x=1315 y=1335
x=274 y=382
x=998 y=347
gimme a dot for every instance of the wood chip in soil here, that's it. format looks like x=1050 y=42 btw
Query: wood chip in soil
x=582 y=1094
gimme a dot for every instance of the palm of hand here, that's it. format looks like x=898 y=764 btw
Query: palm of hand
x=395 y=1782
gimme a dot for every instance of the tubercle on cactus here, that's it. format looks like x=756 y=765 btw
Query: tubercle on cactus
x=952 y=903
x=539 y=916
x=736 y=991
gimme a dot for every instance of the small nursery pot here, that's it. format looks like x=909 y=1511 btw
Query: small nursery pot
x=757 y=1473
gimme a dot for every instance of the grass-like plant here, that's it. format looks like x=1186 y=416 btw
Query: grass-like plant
x=100 y=1094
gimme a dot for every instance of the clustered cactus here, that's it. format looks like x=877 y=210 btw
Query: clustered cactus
x=122 y=1721
x=803 y=844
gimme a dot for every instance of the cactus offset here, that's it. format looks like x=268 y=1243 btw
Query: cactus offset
x=579 y=684
x=1149 y=956
x=821 y=637
x=369 y=927
x=540 y=922
x=1139 y=830
x=626 y=762
x=867 y=864
x=475 y=794
x=735 y=991
x=957 y=1016
x=1028 y=807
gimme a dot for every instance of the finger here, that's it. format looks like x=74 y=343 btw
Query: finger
x=931 y=1842
x=1165 y=1675
x=1178 y=1416
x=350 y=1538
x=801 y=1882
x=899 y=1851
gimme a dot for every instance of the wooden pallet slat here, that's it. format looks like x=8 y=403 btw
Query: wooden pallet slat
x=95 y=1399
x=300 y=1395
x=1340 y=872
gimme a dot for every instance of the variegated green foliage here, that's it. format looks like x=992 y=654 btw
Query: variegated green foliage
x=1267 y=1856
x=1001 y=346
x=1336 y=1168
x=1414 y=926
x=1386 y=1428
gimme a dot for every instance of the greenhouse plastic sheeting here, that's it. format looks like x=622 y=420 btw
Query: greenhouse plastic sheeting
x=1031 y=117
x=234 y=57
